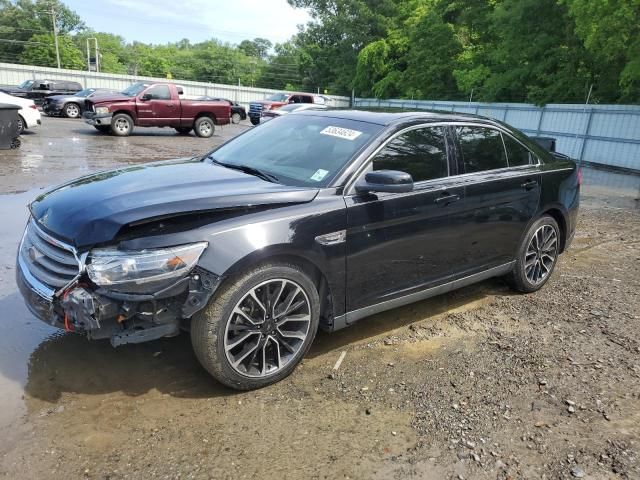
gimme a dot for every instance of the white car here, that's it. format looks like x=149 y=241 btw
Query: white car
x=28 y=113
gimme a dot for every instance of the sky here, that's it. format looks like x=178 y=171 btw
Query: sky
x=162 y=21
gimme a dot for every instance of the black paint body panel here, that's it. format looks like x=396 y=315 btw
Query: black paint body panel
x=396 y=244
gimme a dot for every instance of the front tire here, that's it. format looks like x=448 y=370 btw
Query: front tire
x=204 y=127
x=537 y=256
x=121 y=125
x=72 y=110
x=258 y=327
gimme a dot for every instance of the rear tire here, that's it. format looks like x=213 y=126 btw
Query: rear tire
x=184 y=130
x=235 y=118
x=245 y=355
x=72 y=110
x=255 y=120
x=537 y=256
x=204 y=127
x=21 y=124
x=121 y=125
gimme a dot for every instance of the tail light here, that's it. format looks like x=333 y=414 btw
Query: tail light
x=34 y=106
x=579 y=176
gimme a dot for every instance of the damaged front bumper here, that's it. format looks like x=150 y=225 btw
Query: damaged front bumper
x=121 y=317
x=97 y=119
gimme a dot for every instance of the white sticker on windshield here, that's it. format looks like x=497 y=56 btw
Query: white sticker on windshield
x=340 y=132
x=319 y=175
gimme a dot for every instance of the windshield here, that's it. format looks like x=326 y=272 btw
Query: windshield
x=26 y=84
x=298 y=150
x=278 y=97
x=86 y=92
x=134 y=89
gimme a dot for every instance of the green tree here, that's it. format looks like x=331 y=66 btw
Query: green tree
x=41 y=50
x=610 y=31
x=23 y=19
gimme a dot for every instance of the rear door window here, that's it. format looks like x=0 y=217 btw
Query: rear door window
x=422 y=153
x=517 y=154
x=481 y=149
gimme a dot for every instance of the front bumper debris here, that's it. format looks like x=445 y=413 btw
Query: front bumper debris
x=123 y=318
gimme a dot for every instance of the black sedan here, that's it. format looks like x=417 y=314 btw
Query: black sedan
x=238 y=112
x=313 y=220
x=72 y=106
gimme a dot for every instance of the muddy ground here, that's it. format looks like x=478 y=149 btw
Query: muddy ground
x=478 y=384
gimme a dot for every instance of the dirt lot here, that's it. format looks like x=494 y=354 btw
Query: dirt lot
x=477 y=384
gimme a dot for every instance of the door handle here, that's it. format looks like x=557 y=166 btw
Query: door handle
x=447 y=199
x=529 y=184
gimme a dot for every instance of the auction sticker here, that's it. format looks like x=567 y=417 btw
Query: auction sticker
x=340 y=132
x=319 y=175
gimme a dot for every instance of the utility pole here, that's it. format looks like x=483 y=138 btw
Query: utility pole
x=55 y=33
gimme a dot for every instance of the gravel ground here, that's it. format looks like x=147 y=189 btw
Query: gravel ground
x=481 y=383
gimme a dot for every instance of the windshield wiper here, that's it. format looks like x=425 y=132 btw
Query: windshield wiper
x=269 y=177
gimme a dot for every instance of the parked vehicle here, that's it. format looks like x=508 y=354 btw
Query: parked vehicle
x=72 y=106
x=277 y=100
x=155 y=104
x=29 y=115
x=315 y=220
x=38 y=90
x=292 y=107
x=238 y=112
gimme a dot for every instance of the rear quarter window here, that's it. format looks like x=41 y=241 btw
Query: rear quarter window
x=518 y=155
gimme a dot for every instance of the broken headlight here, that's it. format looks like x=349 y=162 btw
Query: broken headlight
x=143 y=270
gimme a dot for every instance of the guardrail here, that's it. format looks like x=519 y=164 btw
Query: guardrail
x=606 y=135
x=14 y=74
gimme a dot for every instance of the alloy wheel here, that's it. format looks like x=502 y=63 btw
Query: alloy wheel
x=235 y=118
x=72 y=111
x=541 y=254
x=267 y=328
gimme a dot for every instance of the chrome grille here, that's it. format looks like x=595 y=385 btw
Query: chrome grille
x=48 y=260
x=255 y=109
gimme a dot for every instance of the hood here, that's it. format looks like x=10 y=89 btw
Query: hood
x=14 y=90
x=108 y=98
x=57 y=98
x=93 y=209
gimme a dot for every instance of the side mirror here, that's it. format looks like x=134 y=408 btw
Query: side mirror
x=146 y=96
x=391 y=181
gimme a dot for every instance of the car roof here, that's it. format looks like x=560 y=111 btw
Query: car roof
x=392 y=116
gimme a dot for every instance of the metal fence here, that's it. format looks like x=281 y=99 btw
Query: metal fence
x=600 y=134
x=13 y=74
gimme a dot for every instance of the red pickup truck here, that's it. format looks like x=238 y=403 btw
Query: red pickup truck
x=155 y=104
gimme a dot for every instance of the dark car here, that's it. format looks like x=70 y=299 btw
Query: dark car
x=238 y=112
x=315 y=220
x=38 y=90
x=72 y=106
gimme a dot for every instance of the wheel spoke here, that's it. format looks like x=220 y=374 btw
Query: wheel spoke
x=245 y=354
x=258 y=302
x=277 y=298
x=239 y=311
x=240 y=340
x=303 y=317
x=287 y=334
